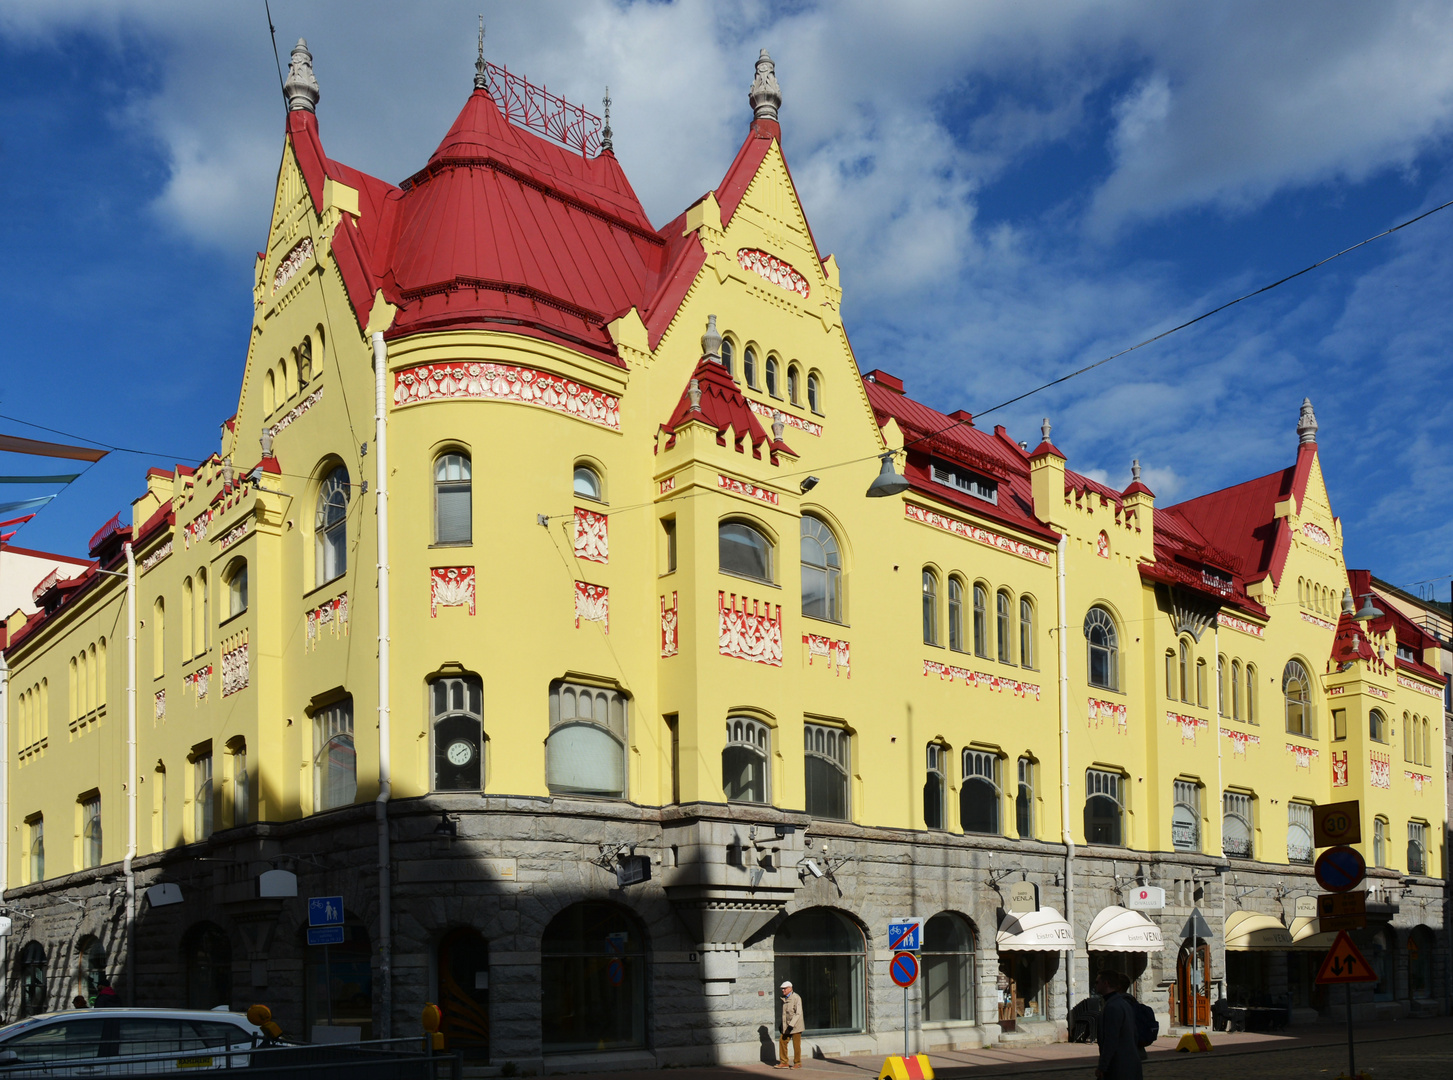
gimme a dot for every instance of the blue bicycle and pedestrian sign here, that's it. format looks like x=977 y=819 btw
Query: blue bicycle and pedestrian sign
x=904 y=969
x=903 y=934
x=325 y=920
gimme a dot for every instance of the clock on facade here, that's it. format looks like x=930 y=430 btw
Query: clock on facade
x=460 y=753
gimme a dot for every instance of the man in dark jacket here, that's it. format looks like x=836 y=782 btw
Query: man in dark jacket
x=1119 y=1053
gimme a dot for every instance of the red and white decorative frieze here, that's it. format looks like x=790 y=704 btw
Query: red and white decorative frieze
x=450 y=586
x=1231 y=622
x=1336 y=691
x=285 y=421
x=1305 y=755
x=1418 y=779
x=196 y=529
x=233 y=535
x=668 y=484
x=1339 y=769
x=670 y=627
x=753 y=635
x=236 y=666
x=751 y=491
x=1102 y=544
x=200 y=681
x=837 y=653
x=1379 y=770
x=159 y=706
x=773 y=269
x=592 y=539
x=1100 y=711
x=1422 y=688
x=1317 y=620
x=934 y=519
x=506 y=382
x=1240 y=740
x=292 y=262
x=592 y=603
x=1379 y=692
x=156 y=556
x=764 y=410
x=978 y=678
x=330 y=613
x=1187 y=724
x=1316 y=534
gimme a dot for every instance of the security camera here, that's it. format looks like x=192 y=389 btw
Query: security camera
x=813 y=868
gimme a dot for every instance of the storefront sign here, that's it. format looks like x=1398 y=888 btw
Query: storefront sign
x=1305 y=907
x=1021 y=897
x=1145 y=898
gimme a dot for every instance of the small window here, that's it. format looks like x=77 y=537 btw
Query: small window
x=1297 y=688
x=954 y=476
x=1235 y=689
x=305 y=362
x=202 y=805
x=335 y=762
x=773 y=387
x=586 y=751
x=744 y=551
x=1185 y=818
x=1201 y=683
x=1004 y=625
x=814 y=392
x=668 y=540
x=158 y=638
x=749 y=365
x=1417 y=848
x=453 y=499
x=793 y=378
x=1183 y=670
x=1236 y=827
x=269 y=394
x=1220 y=686
x=241 y=783
x=236 y=581
x=955 y=614
x=1251 y=693
x=587 y=483
x=1377 y=726
x=1299 y=833
x=729 y=356
x=91 y=848
x=1104 y=807
x=935 y=788
x=330 y=527
x=1408 y=721
x=930 y=607
x=826 y=767
x=1024 y=800
x=457 y=716
x=981 y=621
x=1379 y=842
x=822 y=574
x=1026 y=632
x=744 y=761
x=981 y=793
x=1404 y=652
x=1339 y=725
x=1103 y=646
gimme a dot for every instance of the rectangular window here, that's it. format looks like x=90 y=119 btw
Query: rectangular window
x=1185 y=818
x=981 y=793
x=91 y=849
x=202 y=796
x=1379 y=843
x=673 y=725
x=335 y=762
x=1024 y=800
x=1299 y=833
x=971 y=483
x=827 y=764
x=1236 y=825
x=1104 y=807
x=1339 y=724
x=668 y=545
x=1417 y=848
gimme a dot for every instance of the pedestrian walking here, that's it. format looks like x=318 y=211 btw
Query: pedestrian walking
x=792 y=1025
x=80 y=1003
x=1119 y=1051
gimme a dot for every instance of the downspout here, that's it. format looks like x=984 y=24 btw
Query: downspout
x=126 y=866
x=1064 y=766
x=4 y=815
x=385 y=776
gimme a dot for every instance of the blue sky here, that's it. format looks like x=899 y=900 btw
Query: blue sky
x=1012 y=190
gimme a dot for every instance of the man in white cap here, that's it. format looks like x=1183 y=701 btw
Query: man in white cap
x=791 y=1027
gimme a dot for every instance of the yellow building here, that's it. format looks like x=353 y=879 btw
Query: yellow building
x=672 y=706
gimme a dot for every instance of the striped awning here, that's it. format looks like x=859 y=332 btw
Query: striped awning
x=1251 y=931
x=1118 y=929
x=1044 y=930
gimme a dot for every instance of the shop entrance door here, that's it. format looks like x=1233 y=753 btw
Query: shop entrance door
x=1193 y=999
x=1005 y=985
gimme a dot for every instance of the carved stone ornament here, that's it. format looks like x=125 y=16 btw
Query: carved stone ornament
x=949 y=672
x=451 y=586
x=592 y=603
x=592 y=538
x=749 y=634
x=1339 y=769
x=236 y=667
x=765 y=96
x=506 y=382
x=301 y=87
x=1190 y=617
x=670 y=627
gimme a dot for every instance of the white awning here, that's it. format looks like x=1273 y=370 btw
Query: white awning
x=1307 y=933
x=1118 y=929
x=1249 y=931
x=1044 y=930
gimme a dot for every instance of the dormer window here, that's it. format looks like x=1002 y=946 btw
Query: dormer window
x=1405 y=653
x=979 y=487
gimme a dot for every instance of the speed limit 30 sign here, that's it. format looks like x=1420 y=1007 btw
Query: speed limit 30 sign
x=1337 y=823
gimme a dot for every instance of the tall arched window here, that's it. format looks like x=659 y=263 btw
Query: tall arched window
x=814 y=392
x=587 y=483
x=1237 y=830
x=269 y=394
x=235 y=578
x=207 y=961
x=930 y=607
x=33 y=988
x=203 y=805
x=773 y=372
x=823 y=954
x=36 y=827
x=1251 y=693
x=935 y=787
x=586 y=751
x=158 y=638
x=827 y=760
x=330 y=527
x=1104 y=649
x=1026 y=632
x=91 y=839
x=1201 y=682
x=1004 y=627
x=822 y=571
x=1377 y=726
x=948 y=968
x=456 y=713
x=749 y=366
x=305 y=362
x=1297 y=688
x=1235 y=689
x=453 y=499
x=981 y=621
x=794 y=377
x=981 y=795
x=187 y=606
x=955 y=614
x=1407 y=736
x=729 y=356
x=1220 y=686
x=744 y=761
x=1104 y=807
x=592 y=980
x=1183 y=670
x=1170 y=674
x=201 y=615
x=744 y=550
x=335 y=760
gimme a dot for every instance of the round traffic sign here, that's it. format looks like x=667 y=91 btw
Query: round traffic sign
x=615 y=972
x=904 y=968
x=1339 y=869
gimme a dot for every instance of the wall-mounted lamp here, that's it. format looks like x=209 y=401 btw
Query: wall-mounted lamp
x=809 y=483
x=447 y=827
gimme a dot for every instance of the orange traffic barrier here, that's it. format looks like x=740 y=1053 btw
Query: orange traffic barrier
x=915 y=1067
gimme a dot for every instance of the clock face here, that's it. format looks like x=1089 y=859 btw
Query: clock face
x=460 y=752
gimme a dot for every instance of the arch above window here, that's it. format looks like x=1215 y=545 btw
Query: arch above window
x=930 y=606
x=774 y=386
x=814 y=392
x=1103 y=642
x=744 y=550
x=586 y=751
x=749 y=366
x=794 y=379
x=1297 y=689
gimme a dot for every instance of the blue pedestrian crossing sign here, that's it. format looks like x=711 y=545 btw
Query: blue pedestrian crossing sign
x=325 y=911
x=903 y=934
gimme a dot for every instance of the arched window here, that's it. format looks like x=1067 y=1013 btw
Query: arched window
x=826 y=768
x=36 y=827
x=453 y=499
x=1379 y=842
x=1170 y=674
x=822 y=571
x=456 y=713
x=948 y=968
x=981 y=621
x=1185 y=815
x=284 y=382
x=235 y=578
x=305 y=362
x=773 y=386
x=744 y=761
x=1026 y=632
x=1183 y=669
x=187 y=606
x=201 y=615
x=91 y=838
x=586 y=751
x=1251 y=693
x=207 y=961
x=158 y=638
x=1235 y=689
x=1103 y=649
x=935 y=787
x=241 y=781
x=822 y=953
x=335 y=761
x=1377 y=726
x=1407 y=736
x=930 y=607
x=33 y=988
x=794 y=377
x=1236 y=824
x=1417 y=848
x=955 y=614
x=269 y=394
x=592 y=980
x=1024 y=800
x=92 y=967
x=330 y=527
x=1004 y=626
x=464 y=993
x=1297 y=688
x=202 y=802
x=1104 y=807
x=1220 y=686
x=587 y=483
x=1299 y=832
x=814 y=392
x=1201 y=682
x=744 y=551
x=981 y=795
x=338 y=982
x=729 y=356
x=749 y=365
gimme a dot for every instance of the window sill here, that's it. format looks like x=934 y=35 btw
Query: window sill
x=1106 y=689
x=229 y=618
x=331 y=581
x=744 y=577
x=828 y=622
x=935 y=645
x=451 y=544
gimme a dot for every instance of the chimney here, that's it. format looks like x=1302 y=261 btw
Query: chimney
x=1047 y=481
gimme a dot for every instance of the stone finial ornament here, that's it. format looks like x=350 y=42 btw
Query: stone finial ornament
x=778 y=425
x=606 y=142
x=1135 y=470
x=1307 y=425
x=765 y=96
x=481 y=80
x=711 y=340
x=1349 y=605
x=693 y=391
x=301 y=88
x=1044 y=429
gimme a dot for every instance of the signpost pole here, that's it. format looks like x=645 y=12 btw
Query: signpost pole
x=1351 y=1053
x=328 y=984
x=905 y=1021
x=1195 y=984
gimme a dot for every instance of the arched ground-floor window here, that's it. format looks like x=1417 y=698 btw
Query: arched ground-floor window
x=338 y=990
x=822 y=953
x=592 y=980
x=948 y=968
x=91 y=968
x=464 y=993
x=207 y=957
x=32 y=977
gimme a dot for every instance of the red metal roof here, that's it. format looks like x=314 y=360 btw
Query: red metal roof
x=722 y=405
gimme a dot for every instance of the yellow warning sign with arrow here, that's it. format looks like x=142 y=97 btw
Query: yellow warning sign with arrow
x=1345 y=964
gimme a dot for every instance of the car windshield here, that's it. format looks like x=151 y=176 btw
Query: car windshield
x=59 y=1040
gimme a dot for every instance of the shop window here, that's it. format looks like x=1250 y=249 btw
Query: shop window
x=1024 y=800
x=592 y=980
x=207 y=960
x=464 y=993
x=1103 y=644
x=1299 y=832
x=981 y=621
x=1026 y=632
x=1104 y=807
x=335 y=762
x=823 y=954
x=744 y=551
x=91 y=848
x=1297 y=689
x=1185 y=817
x=1377 y=726
x=34 y=990
x=981 y=794
x=827 y=761
x=744 y=761
x=338 y=986
x=330 y=527
x=1003 y=625
x=773 y=385
x=453 y=499
x=749 y=364
x=948 y=968
x=935 y=788
x=1236 y=825
x=1023 y=986
x=235 y=578
x=587 y=483
x=1383 y=958
x=1379 y=842
x=92 y=968
x=955 y=614
x=586 y=751
x=814 y=392
x=35 y=826
x=822 y=572
x=930 y=607
x=202 y=805
x=1417 y=848
x=456 y=716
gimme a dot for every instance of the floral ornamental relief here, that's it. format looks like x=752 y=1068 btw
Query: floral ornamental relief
x=236 y=667
x=286 y=420
x=949 y=673
x=197 y=529
x=750 y=491
x=1231 y=622
x=670 y=629
x=200 y=681
x=1316 y=534
x=773 y=269
x=1418 y=779
x=506 y=382
x=592 y=540
x=936 y=520
x=1100 y=711
x=839 y=654
x=1305 y=755
x=331 y=613
x=156 y=556
x=753 y=635
x=1240 y=740
x=1422 y=688
x=1315 y=620
x=1380 y=770
x=292 y=262
x=450 y=586
x=766 y=411
x=1102 y=544
x=1188 y=725
x=159 y=707
x=592 y=603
